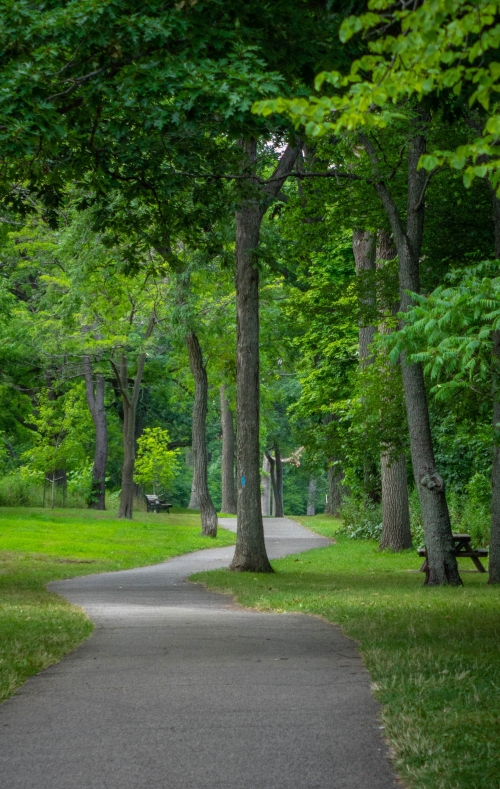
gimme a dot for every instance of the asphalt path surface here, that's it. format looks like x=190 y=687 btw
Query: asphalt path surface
x=179 y=688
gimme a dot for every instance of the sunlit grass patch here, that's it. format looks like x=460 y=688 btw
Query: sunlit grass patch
x=37 y=546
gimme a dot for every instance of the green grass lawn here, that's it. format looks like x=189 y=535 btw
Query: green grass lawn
x=40 y=545
x=433 y=653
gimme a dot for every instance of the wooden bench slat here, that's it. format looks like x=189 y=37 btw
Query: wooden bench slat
x=458 y=554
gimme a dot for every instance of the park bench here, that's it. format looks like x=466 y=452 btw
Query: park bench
x=156 y=504
x=462 y=548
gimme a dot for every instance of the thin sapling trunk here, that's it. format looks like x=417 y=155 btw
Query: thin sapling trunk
x=94 y=389
x=228 y=489
x=129 y=403
x=199 y=436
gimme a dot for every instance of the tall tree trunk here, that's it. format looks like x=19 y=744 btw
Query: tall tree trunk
x=311 y=497
x=250 y=553
x=333 y=504
x=443 y=568
x=228 y=489
x=272 y=476
x=129 y=402
x=278 y=507
x=94 y=389
x=265 y=496
x=126 y=507
x=364 y=247
x=199 y=440
x=194 y=501
x=396 y=531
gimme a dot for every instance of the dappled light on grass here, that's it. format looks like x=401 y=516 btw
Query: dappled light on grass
x=432 y=652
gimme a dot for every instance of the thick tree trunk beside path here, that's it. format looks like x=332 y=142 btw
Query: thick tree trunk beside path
x=250 y=553
x=443 y=568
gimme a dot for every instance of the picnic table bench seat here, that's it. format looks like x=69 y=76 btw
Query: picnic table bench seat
x=462 y=548
x=156 y=504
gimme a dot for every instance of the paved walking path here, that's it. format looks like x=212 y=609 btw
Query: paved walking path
x=178 y=688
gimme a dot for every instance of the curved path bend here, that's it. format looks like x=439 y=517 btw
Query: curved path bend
x=178 y=688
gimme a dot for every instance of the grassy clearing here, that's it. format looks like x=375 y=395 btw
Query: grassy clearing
x=37 y=546
x=433 y=654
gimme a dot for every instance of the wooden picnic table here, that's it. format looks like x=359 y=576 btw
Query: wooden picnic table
x=462 y=548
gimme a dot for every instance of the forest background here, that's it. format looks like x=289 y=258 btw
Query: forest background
x=135 y=172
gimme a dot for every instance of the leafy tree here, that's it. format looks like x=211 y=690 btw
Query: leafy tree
x=155 y=464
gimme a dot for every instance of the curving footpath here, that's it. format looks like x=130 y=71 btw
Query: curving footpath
x=179 y=688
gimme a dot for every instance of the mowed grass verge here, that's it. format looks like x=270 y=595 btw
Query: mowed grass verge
x=433 y=654
x=39 y=545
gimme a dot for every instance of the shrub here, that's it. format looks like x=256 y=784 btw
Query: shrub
x=362 y=519
x=19 y=490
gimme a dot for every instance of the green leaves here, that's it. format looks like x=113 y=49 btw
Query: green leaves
x=450 y=331
x=443 y=45
x=155 y=465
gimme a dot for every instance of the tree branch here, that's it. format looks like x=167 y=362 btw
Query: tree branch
x=123 y=393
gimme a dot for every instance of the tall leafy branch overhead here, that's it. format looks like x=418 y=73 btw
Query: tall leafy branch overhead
x=442 y=47
x=451 y=331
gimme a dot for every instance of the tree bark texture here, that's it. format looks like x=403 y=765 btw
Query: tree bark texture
x=194 y=501
x=129 y=402
x=311 y=497
x=396 y=531
x=364 y=248
x=94 y=389
x=333 y=504
x=250 y=552
x=228 y=489
x=199 y=436
x=278 y=494
x=272 y=476
x=126 y=507
x=265 y=496
x=443 y=568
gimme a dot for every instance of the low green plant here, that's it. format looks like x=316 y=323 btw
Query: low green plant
x=156 y=465
x=20 y=489
x=476 y=516
x=362 y=519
